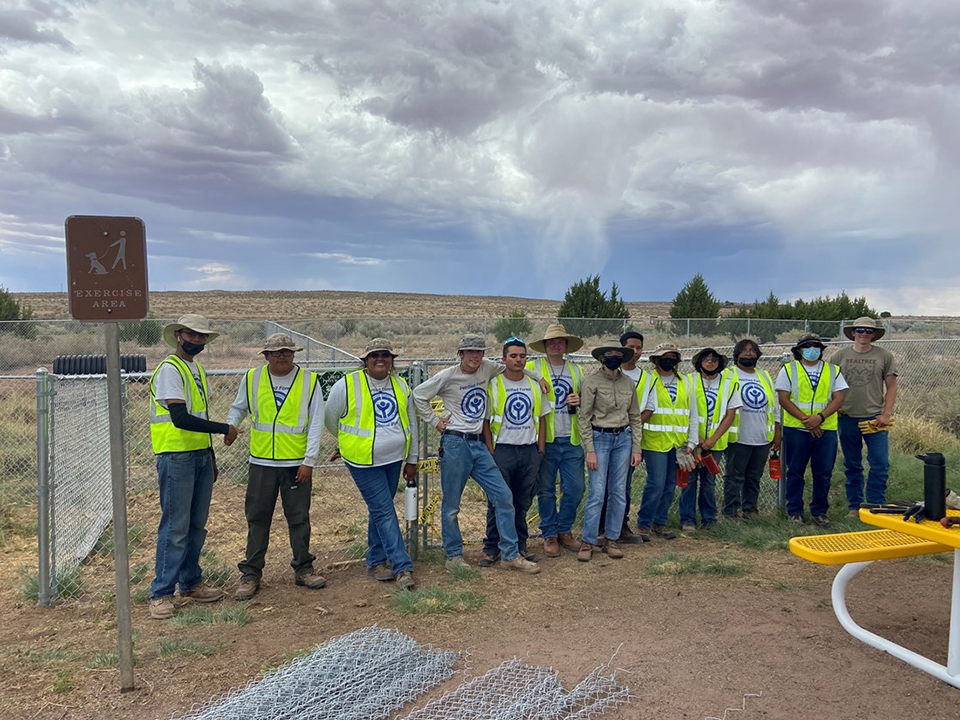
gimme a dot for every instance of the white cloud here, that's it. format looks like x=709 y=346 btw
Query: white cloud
x=346 y=259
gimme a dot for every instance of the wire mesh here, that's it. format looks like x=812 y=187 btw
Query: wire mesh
x=515 y=691
x=364 y=675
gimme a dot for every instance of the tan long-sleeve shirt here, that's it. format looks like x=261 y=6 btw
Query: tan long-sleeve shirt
x=607 y=402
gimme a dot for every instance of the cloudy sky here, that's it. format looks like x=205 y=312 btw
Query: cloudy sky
x=805 y=146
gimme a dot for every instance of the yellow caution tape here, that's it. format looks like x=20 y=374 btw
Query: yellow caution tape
x=429 y=465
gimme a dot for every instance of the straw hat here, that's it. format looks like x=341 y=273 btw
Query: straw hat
x=378 y=345
x=557 y=331
x=664 y=348
x=190 y=321
x=279 y=341
x=864 y=322
x=625 y=352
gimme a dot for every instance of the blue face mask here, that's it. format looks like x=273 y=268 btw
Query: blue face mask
x=810 y=353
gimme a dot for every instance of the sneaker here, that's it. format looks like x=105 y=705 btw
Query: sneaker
x=797 y=519
x=585 y=552
x=487 y=560
x=203 y=593
x=664 y=532
x=380 y=572
x=568 y=542
x=405 y=581
x=522 y=564
x=162 y=608
x=532 y=557
x=612 y=550
x=821 y=520
x=551 y=548
x=628 y=537
x=644 y=534
x=311 y=580
x=688 y=528
x=455 y=562
x=246 y=590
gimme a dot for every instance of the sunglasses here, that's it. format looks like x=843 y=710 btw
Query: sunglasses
x=804 y=347
x=280 y=353
x=864 y=331
x=513 y=339
x=380 y=355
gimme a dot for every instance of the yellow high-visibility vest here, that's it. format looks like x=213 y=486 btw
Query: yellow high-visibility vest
x=809 y=399
x=358 y=426
x=279 y=433
x=164 y=435
x=497 y=391
x=766 y=382
x=707 y=425
x=666 y=429
x=576 y=378
x=644 y=386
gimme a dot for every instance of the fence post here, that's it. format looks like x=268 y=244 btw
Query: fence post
x=748 y=326
x=413 y=527
x=44 y=593
x=806 y=326
x=688 y=329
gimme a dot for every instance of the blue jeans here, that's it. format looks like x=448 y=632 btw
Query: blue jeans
x=186 y=486
x=463 y=459
x=610 y=480
x=878 y=456
x=801 y=448
x=658 y=491
x=702 y=488
x=566 y=457
x=377 y=486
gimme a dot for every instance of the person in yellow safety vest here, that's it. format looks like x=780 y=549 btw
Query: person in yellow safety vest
x=755 y=430
x=285 y=404
x=664 y=432
x=811 y=392
x=714 y=402
x=563 y=453
x=515 y=432
x=186 y=465
x=374 y=419
x=643 y=379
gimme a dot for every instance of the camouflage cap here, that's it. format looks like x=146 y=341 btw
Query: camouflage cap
x=279 y=341
x=472 y=341
x=378 y=345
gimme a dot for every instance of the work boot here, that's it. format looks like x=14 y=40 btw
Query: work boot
x=488 y=560
x=532 y=557
x=551 y=548
x=405 y=581
x=203 y=593
x=522 y=564
x=568 y=542
x=380 y=572
x=162 y=608
x=311 y=580
x=246 y=589
x=664 y=532
x=628 y=537
x=644 y=534
x=455 y=562
x=612 y=550
x=585 y=552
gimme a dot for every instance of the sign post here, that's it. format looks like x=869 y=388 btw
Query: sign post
x=107 y=281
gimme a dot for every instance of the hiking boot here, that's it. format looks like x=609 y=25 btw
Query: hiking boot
x=644 y=534
x=568 y=542
x=203 y=593
x=629 y=537
x=380 y=572
x=585 y=553
x=797 y=519
x=311 y=580
x=405 y=581
x=612 y=550
x=455 y=562
x=551 y=548
x=487 y=560
x=532 y=557
x=688 y=528
x=246 y=589
x=664 y=532
x=162 y=608
x=522 y=564
x=821 y=521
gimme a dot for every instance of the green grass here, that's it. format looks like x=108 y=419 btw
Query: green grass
x=104 y=546
x=140 y=572
x=103 y=659
x=52 y=655
x=673 y=564
x=69 y=584
x=215 y=571
x=356 y=549
x=140 y=596
x=63 y=682
x=436 y=600
x=195 y=615
x=433 y=556
x=463 y=573
x=168 y=647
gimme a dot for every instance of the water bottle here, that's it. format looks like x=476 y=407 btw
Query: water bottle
x=410 y=501
x=773 y=466
x=934 y=486
x=710 y=463
x=683 y=477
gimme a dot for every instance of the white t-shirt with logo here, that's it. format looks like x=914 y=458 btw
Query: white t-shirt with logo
x=754 y=410
x=169 y=383
x=517 y=425
x=711 y=389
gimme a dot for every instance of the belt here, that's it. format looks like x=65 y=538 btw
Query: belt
x=615 y=431
x=465 y=436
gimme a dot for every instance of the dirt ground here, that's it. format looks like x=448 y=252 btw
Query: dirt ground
x=689 y=646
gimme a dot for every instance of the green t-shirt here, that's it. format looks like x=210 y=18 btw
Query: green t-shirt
x=865 y=373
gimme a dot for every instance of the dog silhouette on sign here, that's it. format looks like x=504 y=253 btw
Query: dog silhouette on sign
x=95 y=267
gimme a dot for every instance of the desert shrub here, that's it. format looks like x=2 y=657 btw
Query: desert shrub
x=515 y=324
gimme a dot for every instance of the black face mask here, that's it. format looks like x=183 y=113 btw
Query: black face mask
x=709 y=373
x=748 y=362
x=191 y=348
x=613 y=362
x=667 y=364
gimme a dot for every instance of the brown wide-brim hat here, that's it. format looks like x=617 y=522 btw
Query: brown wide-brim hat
x=625 y=352
x=280 y=341
x=557 y=331
x=664 y=348
x=863 y=322
x=378 y=345
x=808 y=339
x=724 y=360
x=190 y=321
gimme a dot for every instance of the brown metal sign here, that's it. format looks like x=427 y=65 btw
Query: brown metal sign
x=107 y=268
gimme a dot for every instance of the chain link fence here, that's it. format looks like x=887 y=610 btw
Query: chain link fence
x=73 y=418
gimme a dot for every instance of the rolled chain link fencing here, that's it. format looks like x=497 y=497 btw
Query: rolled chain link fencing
x=66 y=418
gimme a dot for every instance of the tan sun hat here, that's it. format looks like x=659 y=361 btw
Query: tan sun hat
x=557 y=331
x=279 y=341
x=863 y=322
x=664 y=348
x=377 y=345
x=190 y=321
x=625 y=352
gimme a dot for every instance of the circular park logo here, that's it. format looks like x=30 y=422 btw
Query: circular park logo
x=385 y=409
x=474 y=403
x=754 y=396
x=519 y=408
x=562 y=388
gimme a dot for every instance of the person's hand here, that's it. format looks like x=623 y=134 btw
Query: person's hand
x=708 y=444
x=883 y=419
x=635 y=459
x=573 y=399
x=216 y=469
x=777 y=442
x=409 y=471
x=817 y=432
x=231 y=435
x=544 y=386
x=811 y=421
x=592 y=460
x=442 y=424
x=304 y=474
x=335 y=455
